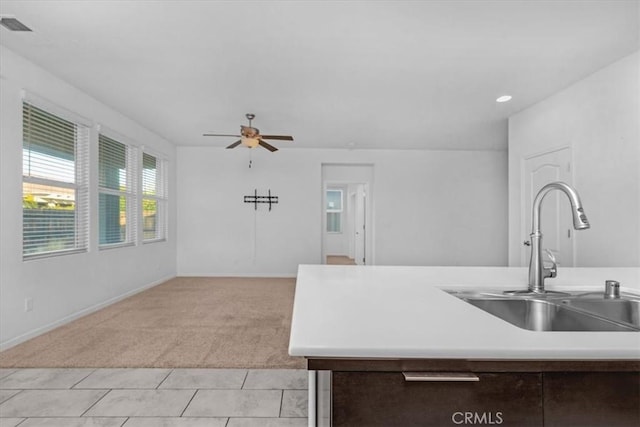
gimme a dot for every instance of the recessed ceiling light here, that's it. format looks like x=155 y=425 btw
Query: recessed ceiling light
x=13 y=24
x=504 y=98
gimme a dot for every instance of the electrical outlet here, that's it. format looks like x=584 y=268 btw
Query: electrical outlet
x=28 y=304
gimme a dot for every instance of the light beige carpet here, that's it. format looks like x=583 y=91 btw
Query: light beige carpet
x=186 y=322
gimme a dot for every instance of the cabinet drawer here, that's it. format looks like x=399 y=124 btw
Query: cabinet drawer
x=387 y=399
x=592 y=399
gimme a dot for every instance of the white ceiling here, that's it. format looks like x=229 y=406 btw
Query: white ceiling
x=421 y=75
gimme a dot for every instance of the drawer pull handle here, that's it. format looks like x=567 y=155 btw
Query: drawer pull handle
x=440 y=376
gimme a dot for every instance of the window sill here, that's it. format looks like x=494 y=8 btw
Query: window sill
x=144 y=242
x=43 y=255
x=115 y=246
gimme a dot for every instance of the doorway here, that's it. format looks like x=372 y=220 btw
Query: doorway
x=347 y=214
x=555 y=219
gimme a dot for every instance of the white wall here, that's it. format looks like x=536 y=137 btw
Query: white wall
x=430 y=208
x=64 y=287
x=599 y=118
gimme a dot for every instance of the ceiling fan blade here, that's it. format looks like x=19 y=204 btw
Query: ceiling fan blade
x=235 y=144
x=218 y=134
x=280 y=137
x=267 y=146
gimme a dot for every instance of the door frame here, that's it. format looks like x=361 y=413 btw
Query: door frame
x=369 y=206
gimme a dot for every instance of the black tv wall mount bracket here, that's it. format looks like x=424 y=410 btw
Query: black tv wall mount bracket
x=255 y=199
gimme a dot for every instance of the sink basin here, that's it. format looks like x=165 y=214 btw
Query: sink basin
x=538 y=315
x=561 y=312
x=622 y=310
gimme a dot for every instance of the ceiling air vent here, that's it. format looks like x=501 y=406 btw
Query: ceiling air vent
x=13 y=24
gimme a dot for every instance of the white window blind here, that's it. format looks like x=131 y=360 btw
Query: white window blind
x=117 y=184
x=154 y=197
x=55 y=187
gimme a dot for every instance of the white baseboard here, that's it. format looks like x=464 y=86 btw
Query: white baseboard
x=287 y=275
x=39 y=331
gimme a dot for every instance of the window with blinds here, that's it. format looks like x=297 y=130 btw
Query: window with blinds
x=117 y=208
x=154 y=198
x=334 y=211
x=55 y=187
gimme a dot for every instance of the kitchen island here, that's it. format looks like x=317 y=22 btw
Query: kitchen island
x=375 y=336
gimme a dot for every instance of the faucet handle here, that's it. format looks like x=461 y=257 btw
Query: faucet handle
x=551 y=256
x=553 y=270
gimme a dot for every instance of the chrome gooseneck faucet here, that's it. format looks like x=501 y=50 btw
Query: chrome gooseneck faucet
x=537 y=271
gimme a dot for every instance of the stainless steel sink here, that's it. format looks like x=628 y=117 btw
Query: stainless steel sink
x=622 y=310
x=578 y=312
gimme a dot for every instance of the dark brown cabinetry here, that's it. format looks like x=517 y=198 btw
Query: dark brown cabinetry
x=369 y=393
x=386 y=399
x=591 y=399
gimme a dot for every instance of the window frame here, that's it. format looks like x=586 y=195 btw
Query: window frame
x=80 y=185
x=335 y=211
x=130 y=193
x=160 y=196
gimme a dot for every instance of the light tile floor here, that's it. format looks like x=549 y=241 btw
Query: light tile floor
x=153 y=398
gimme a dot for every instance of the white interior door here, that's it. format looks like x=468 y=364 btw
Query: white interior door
x=555 y=217
x=360 y=225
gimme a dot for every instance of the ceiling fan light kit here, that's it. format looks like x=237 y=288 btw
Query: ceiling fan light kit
x=249 y=142
x=250 y=137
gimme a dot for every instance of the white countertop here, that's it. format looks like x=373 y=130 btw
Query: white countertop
x=401 y=312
